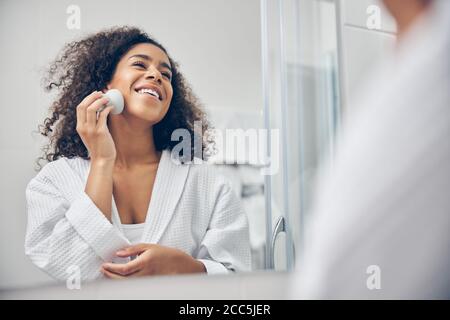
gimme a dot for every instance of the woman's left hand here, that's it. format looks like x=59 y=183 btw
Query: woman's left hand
x=152 y=259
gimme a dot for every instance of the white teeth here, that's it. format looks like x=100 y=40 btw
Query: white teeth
x=149 y=91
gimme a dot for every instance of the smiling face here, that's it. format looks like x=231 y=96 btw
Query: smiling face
x=143 y=75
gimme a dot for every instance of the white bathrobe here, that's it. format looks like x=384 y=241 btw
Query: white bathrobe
x=192 y=209
x=381 y=218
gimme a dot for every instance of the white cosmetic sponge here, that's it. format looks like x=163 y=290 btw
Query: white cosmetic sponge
x=116 y=100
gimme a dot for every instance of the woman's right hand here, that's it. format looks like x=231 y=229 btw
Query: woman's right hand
x=95 y=133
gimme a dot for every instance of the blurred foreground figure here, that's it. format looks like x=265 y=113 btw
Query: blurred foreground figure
x=381 y=225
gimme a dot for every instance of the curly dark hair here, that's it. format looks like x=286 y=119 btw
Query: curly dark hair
x=87 y=65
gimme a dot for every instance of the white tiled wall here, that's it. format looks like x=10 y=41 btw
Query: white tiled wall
x=361 y=48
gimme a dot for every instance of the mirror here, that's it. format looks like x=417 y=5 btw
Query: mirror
x=218 y=51
x=272 y=75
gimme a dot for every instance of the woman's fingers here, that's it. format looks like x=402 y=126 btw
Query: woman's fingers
x=101 y=121
x=125 y=269
x=86 y=102
x=91 y=111
x=92 y=126
x=133 y=250
x=111 y=275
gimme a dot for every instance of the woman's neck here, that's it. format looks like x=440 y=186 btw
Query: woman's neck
x=134 y=144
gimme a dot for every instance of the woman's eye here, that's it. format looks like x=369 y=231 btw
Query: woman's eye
x=139 y=64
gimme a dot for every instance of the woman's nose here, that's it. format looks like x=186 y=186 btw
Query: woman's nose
x=153 y=73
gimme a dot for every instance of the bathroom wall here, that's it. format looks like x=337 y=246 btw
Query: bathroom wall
x=360 y=47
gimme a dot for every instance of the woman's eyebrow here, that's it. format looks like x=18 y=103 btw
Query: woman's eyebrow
x=146 y=57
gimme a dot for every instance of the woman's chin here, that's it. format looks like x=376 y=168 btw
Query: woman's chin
x=147 y=113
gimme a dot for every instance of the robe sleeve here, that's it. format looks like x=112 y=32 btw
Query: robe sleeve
x=63 y=234
x=226 y=245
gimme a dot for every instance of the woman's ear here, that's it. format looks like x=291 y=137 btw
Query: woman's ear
x=108 y=87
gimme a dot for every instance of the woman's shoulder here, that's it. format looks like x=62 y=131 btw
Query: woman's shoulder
x=61 y=165
x=205 y=170
x=60 y=176
x=209 y=176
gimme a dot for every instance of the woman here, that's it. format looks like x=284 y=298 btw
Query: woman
x=111 y=200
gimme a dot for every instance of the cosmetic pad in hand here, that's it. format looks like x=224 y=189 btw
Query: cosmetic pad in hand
x=115 y=99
